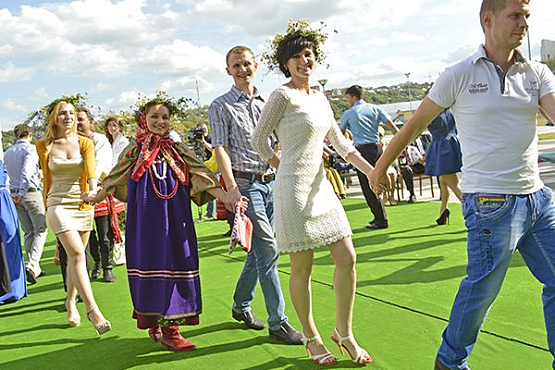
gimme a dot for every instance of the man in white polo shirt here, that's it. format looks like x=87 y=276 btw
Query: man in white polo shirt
x=494 y=96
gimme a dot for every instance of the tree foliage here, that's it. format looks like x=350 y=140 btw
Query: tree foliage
x=551 y=64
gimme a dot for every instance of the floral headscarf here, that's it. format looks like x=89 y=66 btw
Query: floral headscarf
x=152 y=144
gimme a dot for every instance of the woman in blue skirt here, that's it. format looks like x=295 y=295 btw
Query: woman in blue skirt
x=12 y=269
x=444 y=159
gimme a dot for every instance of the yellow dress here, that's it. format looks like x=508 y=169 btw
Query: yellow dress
x=64 y=196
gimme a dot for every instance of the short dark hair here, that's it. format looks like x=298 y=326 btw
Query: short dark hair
x=494 y=6
x=292 y=47
x=22 y=130
x=237 y=50
x=355 y=90
x=87 y=112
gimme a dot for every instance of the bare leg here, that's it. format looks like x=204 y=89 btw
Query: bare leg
x=344 y=282
x=71 y=306
x=452 y=181
x=78 y=278
x=444 y=193
x=392 y=182
x=299 y=287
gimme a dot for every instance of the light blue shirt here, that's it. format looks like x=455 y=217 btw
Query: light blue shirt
x=363 y=120
x=22 y=163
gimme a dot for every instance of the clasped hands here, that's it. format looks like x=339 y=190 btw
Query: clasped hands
x=378 y=181
x=89 y=197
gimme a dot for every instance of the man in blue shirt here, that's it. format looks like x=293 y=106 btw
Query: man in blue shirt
x=25 y=187
x=363 y=120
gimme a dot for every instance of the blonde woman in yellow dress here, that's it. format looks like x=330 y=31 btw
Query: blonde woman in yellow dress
x=67 y=161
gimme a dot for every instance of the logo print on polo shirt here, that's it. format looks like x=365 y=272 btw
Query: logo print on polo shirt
x=532 y=88
x=478 y=88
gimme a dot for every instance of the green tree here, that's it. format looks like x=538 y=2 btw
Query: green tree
x=551 y=64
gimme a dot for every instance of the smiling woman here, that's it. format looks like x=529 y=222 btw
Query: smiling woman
x=67 y=161
x=313 y=216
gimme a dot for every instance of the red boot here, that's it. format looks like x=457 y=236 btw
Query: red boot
x=155 y=334
x=171 y=339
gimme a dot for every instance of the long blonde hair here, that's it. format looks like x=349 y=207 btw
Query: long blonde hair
x=52 y=119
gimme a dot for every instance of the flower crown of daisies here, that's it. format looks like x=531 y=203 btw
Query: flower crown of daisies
x=299 y=28
x=41 y=114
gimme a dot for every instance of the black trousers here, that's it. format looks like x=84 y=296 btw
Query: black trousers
x=371 y=152
x=101 y=243
x=408 y=172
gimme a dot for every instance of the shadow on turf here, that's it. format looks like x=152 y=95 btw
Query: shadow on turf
x=116 y=353
x=22 y=310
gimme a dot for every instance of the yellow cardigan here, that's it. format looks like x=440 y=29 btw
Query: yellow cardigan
x=86 y=147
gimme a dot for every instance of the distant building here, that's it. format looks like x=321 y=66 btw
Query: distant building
x=547 y=49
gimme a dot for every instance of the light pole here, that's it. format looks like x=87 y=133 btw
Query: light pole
x=529 y=48
x=323 y=82
x=407 y=75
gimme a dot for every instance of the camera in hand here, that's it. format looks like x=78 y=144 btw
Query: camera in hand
x=196 y=133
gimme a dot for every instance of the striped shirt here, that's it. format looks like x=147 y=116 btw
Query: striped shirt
x=22 y=163
x=233 y=117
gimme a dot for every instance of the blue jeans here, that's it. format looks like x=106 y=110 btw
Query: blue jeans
x=498 y=224
x=261 y=261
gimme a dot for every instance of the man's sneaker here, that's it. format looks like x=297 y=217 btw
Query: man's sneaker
x=412 y=199
x=249 y=319
x=286 y=334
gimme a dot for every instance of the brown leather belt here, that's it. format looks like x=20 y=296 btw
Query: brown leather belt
x=264 y=178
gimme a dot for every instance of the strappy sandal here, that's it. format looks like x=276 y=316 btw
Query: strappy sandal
x=101 y=327
x=73 y=318
x=361 y=357
x=323 y=359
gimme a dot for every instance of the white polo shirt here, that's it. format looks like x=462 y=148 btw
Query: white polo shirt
x=496 y=121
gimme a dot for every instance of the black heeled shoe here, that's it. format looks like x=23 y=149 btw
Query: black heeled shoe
x=444 y=218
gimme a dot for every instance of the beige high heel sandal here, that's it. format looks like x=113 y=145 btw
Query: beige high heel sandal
x=323 y=359
x=361 y=356
x=100 y=327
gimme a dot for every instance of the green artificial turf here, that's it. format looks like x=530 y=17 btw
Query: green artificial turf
x=408 y=276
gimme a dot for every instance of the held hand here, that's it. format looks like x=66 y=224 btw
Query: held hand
x=89 y=197
x=275 y=160
x=378 y=180
x=232 y=197
x=244 y=204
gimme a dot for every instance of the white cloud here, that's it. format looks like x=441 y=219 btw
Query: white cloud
x=9 y=72
x=40 y=94
x=100 y=87
x=401 y=37
x=124 y=100
x=10 y=104
x=182 y=57
x=6 y=50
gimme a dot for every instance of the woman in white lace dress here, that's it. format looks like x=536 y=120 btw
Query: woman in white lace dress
x=308 y=214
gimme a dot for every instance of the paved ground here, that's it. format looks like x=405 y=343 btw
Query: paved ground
x=547 y=174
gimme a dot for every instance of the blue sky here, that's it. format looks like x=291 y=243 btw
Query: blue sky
x=113 y=49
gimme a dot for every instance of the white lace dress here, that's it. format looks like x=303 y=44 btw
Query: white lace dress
x=308 y=214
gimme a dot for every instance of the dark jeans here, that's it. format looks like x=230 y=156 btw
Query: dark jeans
x=101 y=243
x=371 y=152
x=408 y=172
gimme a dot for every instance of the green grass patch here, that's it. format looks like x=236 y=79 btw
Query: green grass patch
x=408 y=276
x=546 y=136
